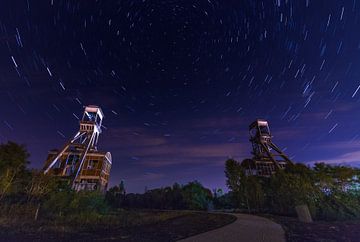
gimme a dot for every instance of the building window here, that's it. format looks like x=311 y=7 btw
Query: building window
x=91 y=164
x=58 y=164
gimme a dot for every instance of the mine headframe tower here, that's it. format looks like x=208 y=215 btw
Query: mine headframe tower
x=267 y=157
x=79 y=161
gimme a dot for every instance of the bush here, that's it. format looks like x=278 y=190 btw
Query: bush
x=58 y=203
x=88 y=202
x=85 y=205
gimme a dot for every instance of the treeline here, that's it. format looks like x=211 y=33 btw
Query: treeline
x=330 y=192
x=191 y=196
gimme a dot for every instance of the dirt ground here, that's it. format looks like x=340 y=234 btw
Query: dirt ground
x=319 y=231
x=169 y=230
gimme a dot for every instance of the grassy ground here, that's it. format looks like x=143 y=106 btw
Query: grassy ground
x=120 y=226
x=319 y=231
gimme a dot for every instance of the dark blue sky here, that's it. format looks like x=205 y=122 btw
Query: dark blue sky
x=180 y=81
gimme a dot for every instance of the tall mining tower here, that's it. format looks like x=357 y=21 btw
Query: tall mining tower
x=79 y=161
x=267 y=157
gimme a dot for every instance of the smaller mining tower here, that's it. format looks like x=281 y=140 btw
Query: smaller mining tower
x=267 y=157
x=80 y=162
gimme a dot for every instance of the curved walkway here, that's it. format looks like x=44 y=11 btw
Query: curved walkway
x=246 y=228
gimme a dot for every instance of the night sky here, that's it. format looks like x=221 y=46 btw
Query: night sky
x=180 y=81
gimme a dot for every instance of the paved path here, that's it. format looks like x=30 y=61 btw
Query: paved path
x=247 y=228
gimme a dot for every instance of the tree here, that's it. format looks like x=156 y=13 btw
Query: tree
x=122 y=189
x=115 y=196
x=13 y=161
x=196 y=196
x=39 y=185
x=176 y=197
x=340 y=187
x=331 y=192
x=335 y=177
x=292 y=187
x=247 y=190
x=234 y=173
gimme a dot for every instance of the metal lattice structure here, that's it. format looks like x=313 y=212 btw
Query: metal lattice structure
x=79 y=161
x=267 y=157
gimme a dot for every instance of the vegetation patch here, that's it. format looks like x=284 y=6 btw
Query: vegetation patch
x=124 y=226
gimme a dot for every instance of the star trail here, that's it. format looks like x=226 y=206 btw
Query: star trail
x=180 y=81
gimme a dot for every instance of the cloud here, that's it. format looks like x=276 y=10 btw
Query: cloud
x=340 y=145
x=148 y=176
x=184 y=161
x=193 y=150
x=133 y=137
x=352 y=158
x=168 y=155
x=184 y=145
x=289 y=133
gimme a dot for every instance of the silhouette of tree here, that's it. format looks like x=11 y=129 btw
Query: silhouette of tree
x=13 y=161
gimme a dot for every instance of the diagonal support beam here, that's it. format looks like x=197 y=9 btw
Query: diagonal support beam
x=266 y=148
x=83 y=155
x=77 y=136
x=274 y=147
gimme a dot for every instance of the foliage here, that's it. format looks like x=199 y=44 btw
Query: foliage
x=24 y=191
x=248 y=191
x=190 y=196
x=331 y=192
x=39 y=185
x=13 y=161
x=67 y=202
x=115 y=195
x=59 y=203
x=288 y=189
x=85 y=202
x=196 y=196
x=223 y=201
